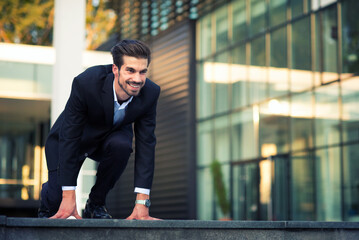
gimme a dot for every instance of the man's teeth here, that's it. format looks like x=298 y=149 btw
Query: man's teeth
x=134 y=85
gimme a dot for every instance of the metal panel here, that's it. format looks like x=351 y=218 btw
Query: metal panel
x=173 y=191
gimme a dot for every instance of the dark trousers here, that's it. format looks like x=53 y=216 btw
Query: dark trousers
x=112 y=155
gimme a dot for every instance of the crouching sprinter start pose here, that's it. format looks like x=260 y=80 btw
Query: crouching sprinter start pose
x=104 y=103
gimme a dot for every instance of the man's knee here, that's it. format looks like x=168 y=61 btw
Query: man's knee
x=119 y=145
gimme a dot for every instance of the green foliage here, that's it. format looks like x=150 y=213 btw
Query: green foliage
x=26 y=21
x=219 y=187
x=31 y=22
x=100 y=23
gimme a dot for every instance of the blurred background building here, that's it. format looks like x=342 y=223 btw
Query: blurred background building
x=258 y=117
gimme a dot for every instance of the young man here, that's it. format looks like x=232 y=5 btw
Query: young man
x=97 y=123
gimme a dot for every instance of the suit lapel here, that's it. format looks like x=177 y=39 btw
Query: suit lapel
x=107 y=98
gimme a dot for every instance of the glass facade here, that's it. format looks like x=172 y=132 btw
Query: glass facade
x=277 y=106
x=24 y=123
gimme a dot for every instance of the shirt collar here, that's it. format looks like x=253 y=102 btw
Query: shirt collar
x=124 y=104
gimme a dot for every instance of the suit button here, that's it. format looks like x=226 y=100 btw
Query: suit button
x=86 y=154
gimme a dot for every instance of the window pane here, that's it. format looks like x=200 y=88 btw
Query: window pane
x=258 y=16
x=350 y=100
x=239 y=20
x=302 y=187
x=204 y=89
x=299 y=7
x=222 y=139
x=244 y=143
x=219 y=211
x=280 y=189
x=317 y=51
x=258 y=71
x=221 y=28
x=302 y=121
x=222 y=80
x=330 y=40
x=245 y=193
x=328 y=184
x=205 y=36
x=274 y=127
x=327 y=115
x=204 y=143
x=351 y=182
x=301 y=75
x=205 y=194
x=277 y=11
x=239 y=77
x=278 y=72
x=350 y=36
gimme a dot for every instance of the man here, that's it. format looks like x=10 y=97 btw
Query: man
x=97 y=123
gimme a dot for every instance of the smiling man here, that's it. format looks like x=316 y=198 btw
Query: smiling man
x=106 y=105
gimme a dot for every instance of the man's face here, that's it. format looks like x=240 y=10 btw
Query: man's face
x=130 y=78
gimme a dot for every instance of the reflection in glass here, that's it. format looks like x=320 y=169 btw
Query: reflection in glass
x=204 y=143
x=258 y=71
x=301 y=75
x=274 y=127
x=280 y=188
x=278 y=72
x=205 y=194
x=302 y=187
x=222 y=80
x=221 y=28
x=299 y=7
x=350 y=26
x=258 y=14
x=222 y=139
x=265 y=189
x=302 y=121
x=317 y=51
x=350 y=110
x=225 y=168
x=204 y=90
x=330 y=40
x=277 y=12
x=244 y=139
x=245 y=192
x=239 y=77
x=327 y=115
x=205 y=26
x=351 y=182
x=239 y=20
x=328 y=184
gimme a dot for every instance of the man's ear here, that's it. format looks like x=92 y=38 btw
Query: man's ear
x=114 y=69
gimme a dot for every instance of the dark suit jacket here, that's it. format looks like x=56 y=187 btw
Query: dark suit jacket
x=88 y=119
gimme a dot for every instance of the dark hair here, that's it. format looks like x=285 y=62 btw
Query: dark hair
x=132 y=48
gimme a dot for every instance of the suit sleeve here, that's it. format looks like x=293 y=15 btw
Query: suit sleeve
x=70 y=135
x=145 y=147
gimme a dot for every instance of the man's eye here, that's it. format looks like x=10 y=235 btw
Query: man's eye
x=131 y=70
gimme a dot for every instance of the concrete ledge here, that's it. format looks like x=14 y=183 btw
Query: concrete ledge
x=33 y=228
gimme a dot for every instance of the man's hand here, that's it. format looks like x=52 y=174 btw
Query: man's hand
x=141 y=212
x=67 y=206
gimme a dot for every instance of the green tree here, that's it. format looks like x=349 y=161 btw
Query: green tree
x=100 y=22
x=26 y=21
x=31 y=21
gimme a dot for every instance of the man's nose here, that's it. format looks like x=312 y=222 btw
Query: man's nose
x=137 y=77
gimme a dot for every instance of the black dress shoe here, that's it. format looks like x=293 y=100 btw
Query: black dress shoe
x=95 y=211
x=43 y=212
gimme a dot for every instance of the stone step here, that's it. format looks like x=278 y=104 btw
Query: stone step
x=61 y=229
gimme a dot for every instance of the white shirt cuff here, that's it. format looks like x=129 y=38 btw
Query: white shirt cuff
x=65 y=188
x=142 y=190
